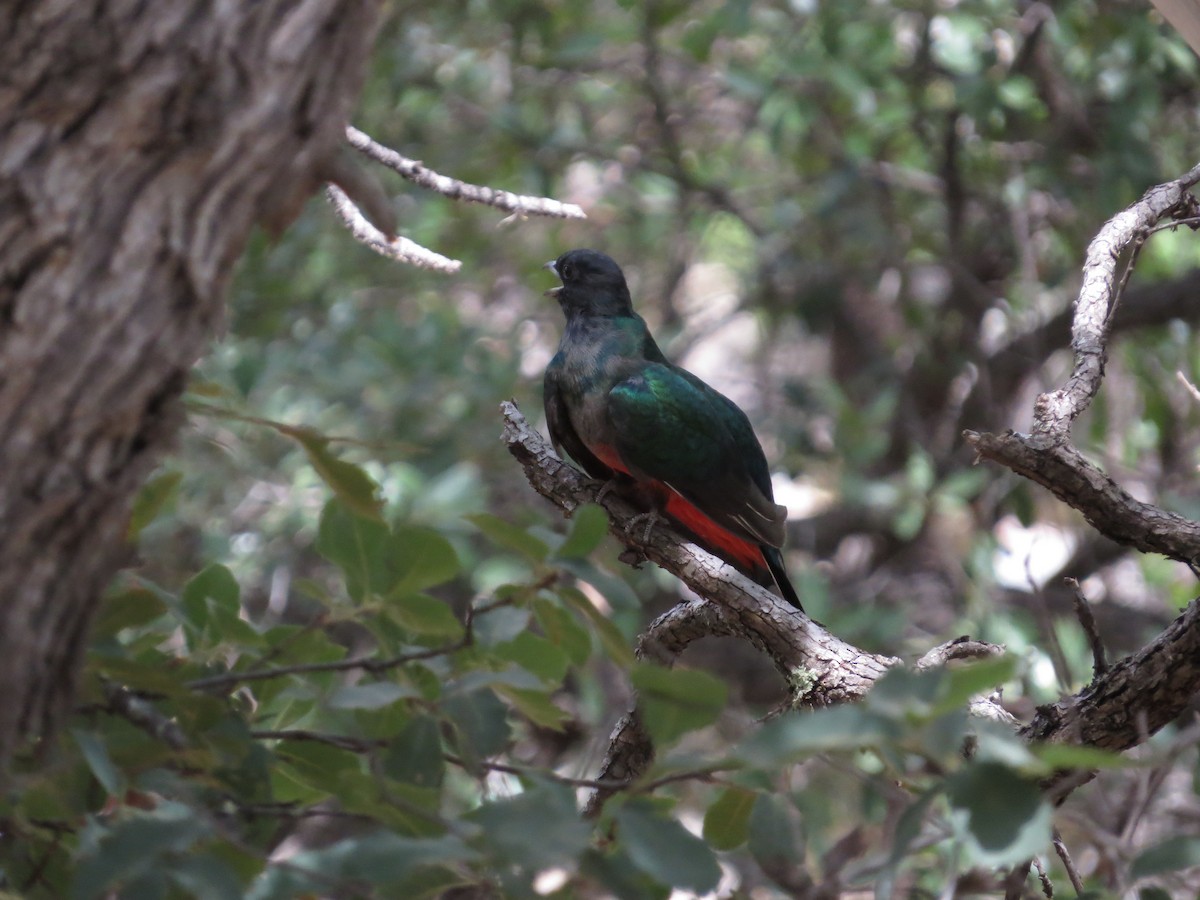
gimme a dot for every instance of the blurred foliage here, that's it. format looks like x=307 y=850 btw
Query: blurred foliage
x=863 y=222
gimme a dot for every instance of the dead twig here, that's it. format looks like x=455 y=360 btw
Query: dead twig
x=1087 y=620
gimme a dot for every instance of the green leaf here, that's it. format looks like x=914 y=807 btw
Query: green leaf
x=1005 y=813
x=537 y=829
x=511 y=537
x=205 y=875
x=616 y=591
x=1173 y=854
x=563 y=631
x=1074 y=756
x=665 y=850
x=349 y=483
x=355 y=545
x=676 y=701
x=309 y=770
x=727 y=821
x=425 y=615
x=536 y=706
x=151 y=500
x=537 y=655
x=415 y=753
x=212 y=591
x=480 y=722
x=420 y=558
x=95 y=754
x=961 y=683
x=383 y=562
x=128 y=609
x=800 y=736
x=135 y=845
x=613 y=869
x=379 y=858
x=773 y=839
x=371 y=695
x=616 y=646
x=589 y=524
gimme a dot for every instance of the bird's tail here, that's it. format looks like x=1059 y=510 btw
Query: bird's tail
x=774 y=560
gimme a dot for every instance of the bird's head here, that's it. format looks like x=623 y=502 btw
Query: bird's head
x=592 y=285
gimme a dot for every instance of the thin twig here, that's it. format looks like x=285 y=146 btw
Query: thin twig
x=366 y=663
x=1083 y=612
x=1192 y=389
x=128 y=705
x=398 y=248
x=419 y=174
x=1064 y=855
x=1014 y=882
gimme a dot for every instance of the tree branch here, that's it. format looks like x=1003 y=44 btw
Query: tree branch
x=1161 y=678
x=1046 y=456
x=1055 y=411
x=398 y=248
x=418 y=174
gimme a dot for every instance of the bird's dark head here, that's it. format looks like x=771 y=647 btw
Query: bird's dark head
x=592 y=285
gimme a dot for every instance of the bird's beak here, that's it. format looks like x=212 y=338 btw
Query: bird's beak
x=553 y=292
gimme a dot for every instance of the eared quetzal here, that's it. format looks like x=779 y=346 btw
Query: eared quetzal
x=625 y=413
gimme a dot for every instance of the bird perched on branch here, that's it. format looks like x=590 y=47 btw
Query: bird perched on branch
x=659 y=433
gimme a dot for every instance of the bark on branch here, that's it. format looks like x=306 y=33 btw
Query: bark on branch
x=1055 y=411
x=824 y=670
x=1046 y=456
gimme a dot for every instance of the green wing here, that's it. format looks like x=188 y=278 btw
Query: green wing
x=672 y=427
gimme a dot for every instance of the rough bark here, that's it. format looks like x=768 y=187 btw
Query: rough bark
x=1120 y=709
x=139 y=143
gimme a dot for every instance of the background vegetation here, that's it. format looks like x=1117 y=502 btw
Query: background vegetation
x=864 y=223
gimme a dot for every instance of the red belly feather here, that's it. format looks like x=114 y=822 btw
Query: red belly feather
x=744 y=554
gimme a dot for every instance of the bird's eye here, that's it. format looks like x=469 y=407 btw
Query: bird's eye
x=566 y=270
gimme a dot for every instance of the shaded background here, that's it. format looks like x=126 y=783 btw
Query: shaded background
x=864 y=222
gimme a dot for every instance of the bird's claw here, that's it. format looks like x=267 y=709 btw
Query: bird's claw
x=605 y=489
x=651 y=519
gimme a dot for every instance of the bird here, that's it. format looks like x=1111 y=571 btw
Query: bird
x=634 y=420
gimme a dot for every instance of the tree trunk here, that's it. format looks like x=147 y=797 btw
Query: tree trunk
x=139 y=142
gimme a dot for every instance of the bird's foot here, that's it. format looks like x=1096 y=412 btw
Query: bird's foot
x=605 y=489
x=651 y=519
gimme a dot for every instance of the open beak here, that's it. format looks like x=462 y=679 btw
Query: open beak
x=553 y=292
